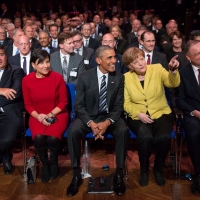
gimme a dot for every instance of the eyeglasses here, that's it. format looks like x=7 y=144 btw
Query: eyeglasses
x=195 y=55
x=22 y=44
x=77 y=41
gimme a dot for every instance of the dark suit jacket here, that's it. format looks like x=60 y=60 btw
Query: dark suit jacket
x=12 y=78
x=7 y=42
x=9 y=50
x=76 y=64
x=101 y=29
x=93 y=44
x=15 y=60
x=87 y=53
x=87 y=96
x=159 y=58
x=119 y=66
x=121 y=46
x=35 y=44
x=188 y=98
x=131 y=38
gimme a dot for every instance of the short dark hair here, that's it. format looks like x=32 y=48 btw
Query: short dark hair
x=64 y=36
x=177 y=33
x=77 y=32
x=40 y=55
x=52 y=25
x=101 y=51
x=2 y=48
x=143 y=34
x=194 y=34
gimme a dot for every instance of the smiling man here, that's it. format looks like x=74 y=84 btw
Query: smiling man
x=99 y=107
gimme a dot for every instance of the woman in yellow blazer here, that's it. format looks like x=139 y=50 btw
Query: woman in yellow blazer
x=149 y=115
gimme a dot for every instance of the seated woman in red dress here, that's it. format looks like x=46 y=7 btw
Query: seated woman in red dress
x=45 y=99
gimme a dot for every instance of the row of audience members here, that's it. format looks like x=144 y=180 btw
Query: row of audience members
x=101 y=97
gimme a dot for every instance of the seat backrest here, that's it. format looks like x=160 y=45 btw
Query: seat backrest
x=71 y=96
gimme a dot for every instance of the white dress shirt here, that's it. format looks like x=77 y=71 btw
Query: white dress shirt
x=62 y=59
x=151 y=55
x=14 y=50
x=28 y=57
x=196 y=72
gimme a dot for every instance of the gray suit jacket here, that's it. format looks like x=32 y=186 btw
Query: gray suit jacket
x=75 y=62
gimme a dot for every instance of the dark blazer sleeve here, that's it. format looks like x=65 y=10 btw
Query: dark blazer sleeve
x=186 y=100
x=14 y=82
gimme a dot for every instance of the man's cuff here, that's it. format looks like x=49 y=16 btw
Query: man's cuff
x=88 y=124
x=111 y=120
x=192 y=114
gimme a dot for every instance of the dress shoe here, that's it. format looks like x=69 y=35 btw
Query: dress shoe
x=45 y=176
x=196 y=185
x=144 y=178
x=74 y=185
x=120 y=187
x=8 y=167
x=159 y=177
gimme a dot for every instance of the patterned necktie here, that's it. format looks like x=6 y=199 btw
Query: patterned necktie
x=24 y=65
x=17 y=52
x=103 y=96
x=65 y=69
x=148 y=59
x=77 y=51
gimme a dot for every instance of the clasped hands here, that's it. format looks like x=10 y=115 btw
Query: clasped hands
x=42 y=119
x=99 y=128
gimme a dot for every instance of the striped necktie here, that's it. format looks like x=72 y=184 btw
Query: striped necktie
x=103 y=96
x=65 y=69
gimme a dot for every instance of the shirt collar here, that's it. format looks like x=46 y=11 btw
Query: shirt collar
x=100 y=74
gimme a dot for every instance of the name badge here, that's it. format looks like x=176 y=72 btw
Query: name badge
x=73 y=74
x=86 y=62
x=100 y=34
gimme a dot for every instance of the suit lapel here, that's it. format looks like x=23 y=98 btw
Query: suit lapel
x=154 y=58
x=136 y=81
x=94 y=83
x=58 y=63
x=84 y=52
x=110 y=87
x=70 y=65
x=192 y=78
x=5 y=76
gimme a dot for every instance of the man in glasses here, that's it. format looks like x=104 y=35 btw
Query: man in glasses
x=22 y=59
x=80 y=49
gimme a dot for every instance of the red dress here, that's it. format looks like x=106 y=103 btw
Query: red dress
x=43 y=95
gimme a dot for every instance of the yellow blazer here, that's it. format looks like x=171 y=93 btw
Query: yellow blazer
x=152 y=97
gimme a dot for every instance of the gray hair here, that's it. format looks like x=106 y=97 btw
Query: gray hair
x=46 y=32
x=189 y=44
x=10 y=24
x=101 y=51
x=82 y=27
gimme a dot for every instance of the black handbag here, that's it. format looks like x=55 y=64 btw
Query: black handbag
x=31 y=169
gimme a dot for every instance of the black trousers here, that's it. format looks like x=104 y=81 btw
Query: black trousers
x=8 y=131
x=155 y=135
x=78 y=130
x=192 y=132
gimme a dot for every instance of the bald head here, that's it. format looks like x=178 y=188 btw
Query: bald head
x=24 y=45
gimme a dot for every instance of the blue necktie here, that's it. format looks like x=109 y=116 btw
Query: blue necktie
x=17 y=52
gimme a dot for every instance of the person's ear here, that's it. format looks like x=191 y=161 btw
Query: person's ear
x=98 y=60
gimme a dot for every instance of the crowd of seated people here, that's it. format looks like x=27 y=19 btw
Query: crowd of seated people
x=92 y=47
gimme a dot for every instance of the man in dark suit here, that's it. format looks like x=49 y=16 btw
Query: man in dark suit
x=99 y=107
x=108 y=39
x=11 y=120
x=151 y=56
x=44 y=40
x=5 y=12
x=28 y=31
x=3 y=40
x=12 y=49
x=147 y=22
x=188 y=101
x=93 y=32
x=132 y=36
x=87 y=40
x=22 y=59
x=100 y=28
x=65 y=61
x=85 y=52
x=53 y=30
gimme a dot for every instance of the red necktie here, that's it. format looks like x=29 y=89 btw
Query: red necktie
x=199 y=77
x=148 y=59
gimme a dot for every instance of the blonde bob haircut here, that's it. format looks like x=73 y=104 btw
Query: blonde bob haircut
x=130 y=55
x=119 y=30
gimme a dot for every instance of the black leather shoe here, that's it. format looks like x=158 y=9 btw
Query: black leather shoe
x=74 y=185
x=196 y=185
x=159 y=177
x=8 y=167
x=120 y=187
x=144 y=178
